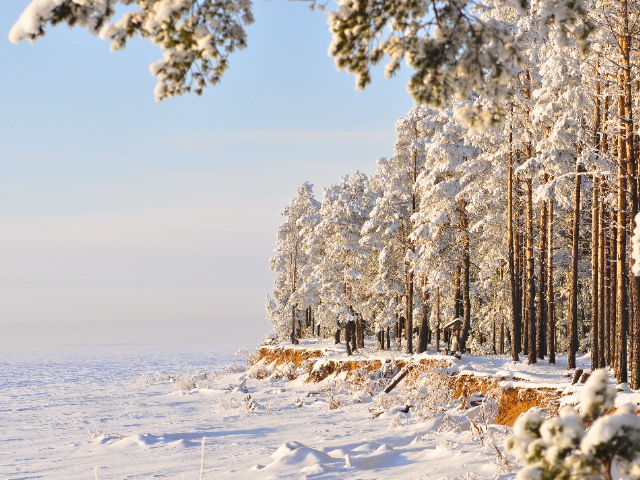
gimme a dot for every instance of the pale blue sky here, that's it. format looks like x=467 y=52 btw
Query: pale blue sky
x=127 y=221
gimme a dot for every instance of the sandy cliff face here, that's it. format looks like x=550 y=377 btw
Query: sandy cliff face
x=469 y=379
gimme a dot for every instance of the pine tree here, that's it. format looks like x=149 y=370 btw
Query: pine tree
x=345 y=209
x=290 y=261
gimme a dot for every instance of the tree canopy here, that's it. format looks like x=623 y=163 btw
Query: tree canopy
x=453 y=46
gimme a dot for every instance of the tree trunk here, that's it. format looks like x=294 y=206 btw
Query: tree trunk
x=493 y=335
x=515 y=311
x=610 y=311
x=522 y=248
x=596 y=301
x=424 y=319
x=531 y=286
x=595 y=269
x=457 y=294
x=621 y=246
x=632 y=169
x=551 y=320
x=573 y=284
x=611 y=340
x=351 y=326
x=438 y=324
x=409 y=307
x=466 y=275
x=602 y=281
x=542 y=291
x=294 y=335
x=347 y=338
x=520 y=275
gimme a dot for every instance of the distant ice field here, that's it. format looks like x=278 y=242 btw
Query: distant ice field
x=54 y=402
x=143 y=412
x=102 y=365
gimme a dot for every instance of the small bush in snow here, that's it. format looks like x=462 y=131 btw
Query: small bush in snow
x=440 y=389
x=398 y=421
x=363 y=384
x=566 y=447
x=287 y=370
x=156 y=378
x=191 y=381
x=250 y=404
x=231 y=368
x=384 y=400
x=226 y=405
x=259 y=371
x=251 y=356
x=331 y=390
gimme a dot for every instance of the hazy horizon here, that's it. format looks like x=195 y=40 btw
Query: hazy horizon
x=128 y=221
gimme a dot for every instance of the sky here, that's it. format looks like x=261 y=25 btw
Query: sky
x=126 y=221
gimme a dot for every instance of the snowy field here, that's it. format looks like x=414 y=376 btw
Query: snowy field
x=118 y=413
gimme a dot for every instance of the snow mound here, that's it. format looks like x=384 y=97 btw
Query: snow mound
x=295 y=453
x=145 y=440
x=385 y=447
x=338 y=452
x=362 y=457
x=375 y=460
x=366 y=447
x=315 y=469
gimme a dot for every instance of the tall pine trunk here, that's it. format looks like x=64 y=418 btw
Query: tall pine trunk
x=573 y=285
x=595 y=274
x=424 y=319
x=542 y=290
x=466 y=274
x=622 y=319
x=551 y=330
x=516 y=319
x=602 y=280
x=409 y=307
x=531 y=286
x=438 y=322
x=632 y=168
x=595 y=235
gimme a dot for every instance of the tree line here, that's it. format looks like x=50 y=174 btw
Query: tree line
x=521 y=231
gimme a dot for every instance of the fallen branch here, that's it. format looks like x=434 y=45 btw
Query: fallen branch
x=398 y=378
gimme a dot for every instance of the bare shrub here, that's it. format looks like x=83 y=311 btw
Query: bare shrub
x=250 y=404
x=192 y=381
x=251 y=356
x=155 y=378
x=227 y=405
x=384 y=400
x=231 y=368
x=259 y=371
x=399 y=420
x=287 y=370
x=429 y=393
x=331 y=390
x=363 y=384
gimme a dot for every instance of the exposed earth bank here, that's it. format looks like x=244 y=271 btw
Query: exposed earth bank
x=515 y=386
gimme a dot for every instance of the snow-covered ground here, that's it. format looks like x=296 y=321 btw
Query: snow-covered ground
x=118 y=413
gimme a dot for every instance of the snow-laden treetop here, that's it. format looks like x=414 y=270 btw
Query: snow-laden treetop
x=454 y=47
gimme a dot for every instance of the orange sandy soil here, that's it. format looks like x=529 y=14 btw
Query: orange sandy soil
x=322 y=360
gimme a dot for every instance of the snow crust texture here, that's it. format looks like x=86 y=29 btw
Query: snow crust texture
x=121 y=415
x=140 y=413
